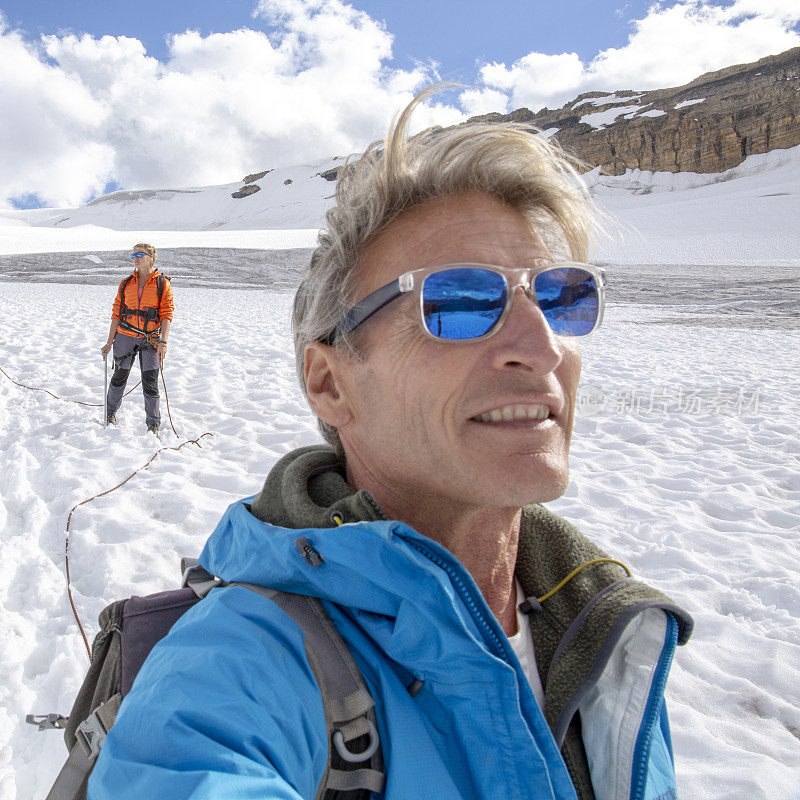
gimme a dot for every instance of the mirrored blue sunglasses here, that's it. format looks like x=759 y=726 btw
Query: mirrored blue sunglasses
x=138 y=254
x=469 y=302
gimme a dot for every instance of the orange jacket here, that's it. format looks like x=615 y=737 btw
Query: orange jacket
x=148 y=299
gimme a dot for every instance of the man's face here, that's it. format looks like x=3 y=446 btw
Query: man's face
x=416 y=404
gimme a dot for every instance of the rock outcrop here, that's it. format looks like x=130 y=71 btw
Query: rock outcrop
x=256 y=176
x=708 y=125
x=246 y=191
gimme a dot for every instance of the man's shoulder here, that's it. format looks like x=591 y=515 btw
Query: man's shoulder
x=234 y=629
x=218 y=687
x=553 y=553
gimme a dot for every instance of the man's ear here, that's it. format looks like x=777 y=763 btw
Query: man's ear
x=325 y=369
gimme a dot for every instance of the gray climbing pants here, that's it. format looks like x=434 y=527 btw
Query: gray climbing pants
x=125 y=349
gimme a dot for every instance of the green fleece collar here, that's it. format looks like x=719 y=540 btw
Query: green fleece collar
x=307 y=487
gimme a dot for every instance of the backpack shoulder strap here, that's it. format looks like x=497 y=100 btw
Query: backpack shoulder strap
x=90 y=735
x=355 y=760
x=160 y=278
x=122 y=287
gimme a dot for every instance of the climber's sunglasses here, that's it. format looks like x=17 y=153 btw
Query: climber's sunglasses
x=139 y=254
x=469 y=302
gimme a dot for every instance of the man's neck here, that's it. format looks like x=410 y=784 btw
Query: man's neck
x=142 y=276
x=485 y=541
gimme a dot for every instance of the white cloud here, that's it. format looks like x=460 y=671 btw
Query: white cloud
x=483 y=101
x=51 y=123
x=80 y=111
x=671 y=45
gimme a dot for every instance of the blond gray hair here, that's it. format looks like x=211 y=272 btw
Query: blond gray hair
x=506 y=160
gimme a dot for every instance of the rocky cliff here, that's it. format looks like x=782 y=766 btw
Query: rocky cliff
x=708 y=125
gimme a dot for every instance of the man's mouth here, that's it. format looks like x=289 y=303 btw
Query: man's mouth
x=516 y=412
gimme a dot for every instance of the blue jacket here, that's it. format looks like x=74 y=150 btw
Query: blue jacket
x=226 y=706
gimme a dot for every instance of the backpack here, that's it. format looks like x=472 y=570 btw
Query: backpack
x=130 y=628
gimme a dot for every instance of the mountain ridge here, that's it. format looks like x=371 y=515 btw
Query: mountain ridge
x=708 y=125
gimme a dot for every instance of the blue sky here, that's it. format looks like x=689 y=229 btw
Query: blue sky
x=110 y=94
x=457 y=35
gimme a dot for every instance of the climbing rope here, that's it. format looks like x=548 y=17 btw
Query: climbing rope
x=101 y=494
x=166 y=397
x=97 y=405
x=107 y=491
x=65 y=399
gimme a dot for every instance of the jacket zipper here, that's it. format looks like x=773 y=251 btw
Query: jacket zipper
x=467 y=595
x=644 y=740
x=654 y=699
x=139 y=293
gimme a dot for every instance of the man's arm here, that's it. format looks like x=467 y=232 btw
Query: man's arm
x=225 y=706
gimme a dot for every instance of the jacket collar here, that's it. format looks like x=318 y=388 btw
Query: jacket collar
x=307 y=487
x=151 y=276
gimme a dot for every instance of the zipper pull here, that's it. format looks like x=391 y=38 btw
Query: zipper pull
x=308 y=552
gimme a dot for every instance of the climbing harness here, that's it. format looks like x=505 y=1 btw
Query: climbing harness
x=144 y=314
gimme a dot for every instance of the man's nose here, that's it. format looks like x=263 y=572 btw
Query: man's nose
x=526 y=338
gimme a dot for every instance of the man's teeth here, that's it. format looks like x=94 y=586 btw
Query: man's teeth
x=515 y=412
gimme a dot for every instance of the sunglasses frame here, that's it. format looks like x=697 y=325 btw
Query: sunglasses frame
x=139 y=254
x=514 y=277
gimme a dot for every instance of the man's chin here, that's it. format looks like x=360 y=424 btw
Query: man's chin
x=540 y=485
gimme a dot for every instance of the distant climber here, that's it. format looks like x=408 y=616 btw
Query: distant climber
x=140 y=322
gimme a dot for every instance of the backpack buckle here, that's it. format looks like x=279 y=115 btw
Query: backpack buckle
x=199 y=580
x=354 y=729
x=91 y=733
x=47 y=722
x=192 y=572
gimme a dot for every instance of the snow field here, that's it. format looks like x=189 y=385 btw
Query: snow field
x=746 y=215
x=704 y=506
x=707 y=508
x=17 y=235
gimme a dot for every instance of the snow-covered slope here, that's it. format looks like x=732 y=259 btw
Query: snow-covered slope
x=747 y=215
x=290 y=197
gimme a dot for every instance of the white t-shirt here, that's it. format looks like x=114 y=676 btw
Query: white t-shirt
x=522 y=642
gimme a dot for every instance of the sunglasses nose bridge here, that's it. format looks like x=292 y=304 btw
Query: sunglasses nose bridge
x=525 y=287
x=524 y=281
